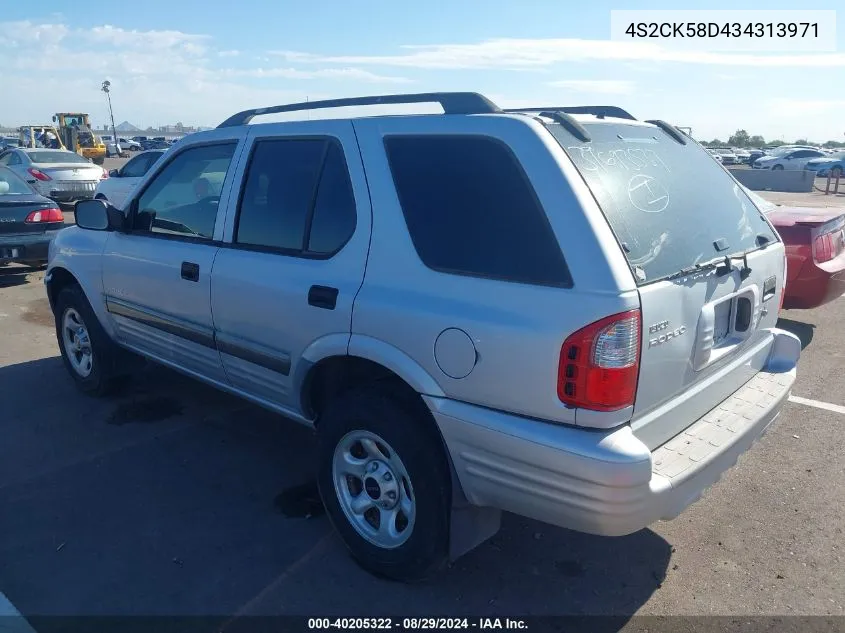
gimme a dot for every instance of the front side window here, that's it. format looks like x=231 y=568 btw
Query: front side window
x=136 y=167
x=297 y=198
x=182 y=199
x=470 y=209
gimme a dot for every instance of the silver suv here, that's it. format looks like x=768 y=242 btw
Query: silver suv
x=564 y=313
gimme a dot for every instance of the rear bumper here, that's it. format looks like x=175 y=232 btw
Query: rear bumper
x=60 y=193
x=26 y=248
x=815 y=285
x=608 y=482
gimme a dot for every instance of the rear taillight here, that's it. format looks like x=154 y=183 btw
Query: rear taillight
x=783 y=283
x=600 y=364
x=829 y=241
x=38 y=174
x=104 y=175
x=44 y=216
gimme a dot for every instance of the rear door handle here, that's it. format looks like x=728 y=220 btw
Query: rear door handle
x=322 y=297
x=190 y=271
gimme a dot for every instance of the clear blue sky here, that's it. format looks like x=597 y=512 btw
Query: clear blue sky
x=170 y=62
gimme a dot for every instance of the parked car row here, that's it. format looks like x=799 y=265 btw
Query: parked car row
x=822 y=161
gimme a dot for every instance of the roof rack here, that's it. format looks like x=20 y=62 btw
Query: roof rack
x=451 y=102
x=599 y=111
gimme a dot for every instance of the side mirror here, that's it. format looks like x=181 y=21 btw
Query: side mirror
x=98 y=215
x=114 y=173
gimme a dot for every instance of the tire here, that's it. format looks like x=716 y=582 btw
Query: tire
x=102 y=377
x=406 y=443
x=777 y=168
x=98 y=161
x=836 y=172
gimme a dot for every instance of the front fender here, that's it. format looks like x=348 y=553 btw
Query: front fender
x=79 y=253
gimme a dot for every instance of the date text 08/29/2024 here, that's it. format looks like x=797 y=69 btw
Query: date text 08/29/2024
x=412 y=624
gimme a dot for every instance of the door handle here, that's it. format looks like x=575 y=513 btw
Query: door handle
x=190 y=271
x=322 y=297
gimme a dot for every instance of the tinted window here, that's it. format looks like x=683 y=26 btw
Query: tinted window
x=470 y=209
x=278 y=192
x=136 y=167
x=183 y=197
x=297 y=197
x=57 y=157
x=334 y=209
x=11 y=184
x=667 y=203
x=14 y=159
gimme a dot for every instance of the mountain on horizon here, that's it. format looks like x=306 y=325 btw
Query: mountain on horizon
x=126 y=126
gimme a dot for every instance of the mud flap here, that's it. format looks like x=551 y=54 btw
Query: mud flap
x=469 y=525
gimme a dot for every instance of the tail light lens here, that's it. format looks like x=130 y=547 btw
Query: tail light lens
x=829 y=240
x=600 y=364
x=38 y=174
x=104 y=175
x=783 y=283
x=44 y=216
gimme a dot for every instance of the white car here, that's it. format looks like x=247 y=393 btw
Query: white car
x=57 y=174
x=793 y=159
x=132 y=146
x=120 y=183
x=715 y=154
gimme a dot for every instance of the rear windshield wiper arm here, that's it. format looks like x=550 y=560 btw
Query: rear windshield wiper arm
x=724 y=263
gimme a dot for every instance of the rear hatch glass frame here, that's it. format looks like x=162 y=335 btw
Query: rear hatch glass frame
x=657 y=195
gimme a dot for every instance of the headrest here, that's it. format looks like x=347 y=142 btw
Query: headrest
x=4 y=187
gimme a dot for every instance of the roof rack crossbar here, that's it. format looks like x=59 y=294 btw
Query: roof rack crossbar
x=451 y=102
x=599 y=111
x=573 y=127
x=670 y=129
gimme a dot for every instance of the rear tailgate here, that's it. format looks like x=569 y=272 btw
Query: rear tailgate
x=671 y=206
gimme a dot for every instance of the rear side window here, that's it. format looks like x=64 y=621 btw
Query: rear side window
x=470 y=209
x=297 y=198
x=670 y=205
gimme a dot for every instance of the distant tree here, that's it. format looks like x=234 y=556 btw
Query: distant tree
x=802 y=141
x=756 y=141
x=833 y=144
x=738 y=139
x=776 y=143
x=715 y=142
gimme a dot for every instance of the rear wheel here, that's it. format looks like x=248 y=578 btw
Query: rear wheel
x=836 y=172
x=99 y=161
x=777 y=168
x=89 y=355
x=385 y=481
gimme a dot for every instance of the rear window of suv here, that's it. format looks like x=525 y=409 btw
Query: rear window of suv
x=666 y=202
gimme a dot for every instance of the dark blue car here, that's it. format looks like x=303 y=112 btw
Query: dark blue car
x=28 y=221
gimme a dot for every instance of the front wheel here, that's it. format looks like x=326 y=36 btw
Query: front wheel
x=88 y=353
x=385 y=482
x=777 y=168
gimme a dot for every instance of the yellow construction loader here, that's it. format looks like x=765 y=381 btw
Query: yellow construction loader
x=76 y=134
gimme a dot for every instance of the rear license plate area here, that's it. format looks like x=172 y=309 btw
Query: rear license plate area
x=721 y=322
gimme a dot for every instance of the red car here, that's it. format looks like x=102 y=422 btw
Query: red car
x=815 y=251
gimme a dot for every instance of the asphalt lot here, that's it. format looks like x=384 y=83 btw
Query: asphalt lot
x=174 y=499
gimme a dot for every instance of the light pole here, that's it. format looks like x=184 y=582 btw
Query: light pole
x=105 y=88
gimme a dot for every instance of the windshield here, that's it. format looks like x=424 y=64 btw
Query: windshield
x=666 y=202
x=724 y=151
x=10 y=183
x=54 y=158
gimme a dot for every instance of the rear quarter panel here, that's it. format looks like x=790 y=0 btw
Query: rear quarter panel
x=516 y=329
